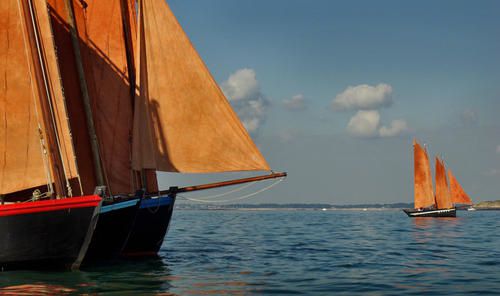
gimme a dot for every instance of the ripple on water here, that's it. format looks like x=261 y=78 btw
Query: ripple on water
x=294 y=253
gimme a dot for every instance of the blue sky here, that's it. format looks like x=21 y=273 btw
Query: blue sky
x=429 y=69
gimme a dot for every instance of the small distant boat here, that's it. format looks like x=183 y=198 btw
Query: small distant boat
x=471 y=209
x=428 y=204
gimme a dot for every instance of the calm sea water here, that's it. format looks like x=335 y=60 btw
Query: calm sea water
x=298 y=252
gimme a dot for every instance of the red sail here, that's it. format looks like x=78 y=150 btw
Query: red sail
x=458 y=195
x=443 y=197
x=424 y=196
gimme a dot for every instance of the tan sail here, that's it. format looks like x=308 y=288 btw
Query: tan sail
x=67 y=66
x=107 y=75
x=458 y=195
x=443 y=197
x=30 y=81
x=183 y=121
x=423 y=192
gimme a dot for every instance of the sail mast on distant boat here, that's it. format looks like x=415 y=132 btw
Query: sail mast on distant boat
x=423 y=193
x=443 y=196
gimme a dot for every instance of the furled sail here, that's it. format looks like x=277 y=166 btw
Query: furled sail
x=424 y=196
x=458 y=195
x=443 y=197
x=183 y=122
x=30 y=97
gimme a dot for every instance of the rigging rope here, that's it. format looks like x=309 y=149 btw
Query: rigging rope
x=234 y=199
x=37 y=115
x=229 y=192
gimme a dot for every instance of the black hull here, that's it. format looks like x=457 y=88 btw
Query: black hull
x=413 y=213
x=151 y=226
x=48 y=237
x=114 y=226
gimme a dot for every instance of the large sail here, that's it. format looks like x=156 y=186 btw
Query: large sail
x=458 y=195
x=423 y=192
x=104 y=56
x=443 y=197
x=183 y=122
x=30 y=80
x=72 y=91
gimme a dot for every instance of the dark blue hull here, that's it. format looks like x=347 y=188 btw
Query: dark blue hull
x=150 y=227
x=116 y=220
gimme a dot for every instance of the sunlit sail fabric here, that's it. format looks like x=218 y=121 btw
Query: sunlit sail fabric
x=183 y=121
x=458 y=195
x=443 y=197
x=21 y=91
x=424 y=196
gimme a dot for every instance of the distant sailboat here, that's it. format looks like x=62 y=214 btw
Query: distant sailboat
x=459 y=197
x=426 y=203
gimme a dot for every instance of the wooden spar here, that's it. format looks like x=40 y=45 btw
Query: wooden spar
x=174 y=190
x=85 y=94
x=129 y=51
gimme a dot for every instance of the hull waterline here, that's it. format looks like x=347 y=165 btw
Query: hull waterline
x=437 y=213
x=150 y=227
x=52 y=234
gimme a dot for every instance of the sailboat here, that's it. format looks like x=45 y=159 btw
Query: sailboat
x=44 y=219
x=106 y=94
x=459 y=197
x=183 y=123
x=428 y=204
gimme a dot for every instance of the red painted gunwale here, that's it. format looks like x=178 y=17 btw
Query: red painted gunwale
x=49 y=205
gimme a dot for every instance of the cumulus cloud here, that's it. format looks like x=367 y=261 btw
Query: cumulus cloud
x=364 y=124
x=243 y=91
x=469 y=117
x=396 y=128
x=296 y=103
x=363 y=97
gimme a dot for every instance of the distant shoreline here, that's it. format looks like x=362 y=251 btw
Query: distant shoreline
x=481 y=206
x=287 y=209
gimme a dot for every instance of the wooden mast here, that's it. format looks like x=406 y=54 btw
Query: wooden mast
x=85 y=95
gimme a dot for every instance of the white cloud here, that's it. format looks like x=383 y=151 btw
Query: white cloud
x=241 y=85
x=243 y=91
x=396 y=128
x=296 y=103
x=363 y=97
x=364 y=124
x=498 y=149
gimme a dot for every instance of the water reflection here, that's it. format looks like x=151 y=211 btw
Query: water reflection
x=36 y=289
x=134 y=276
